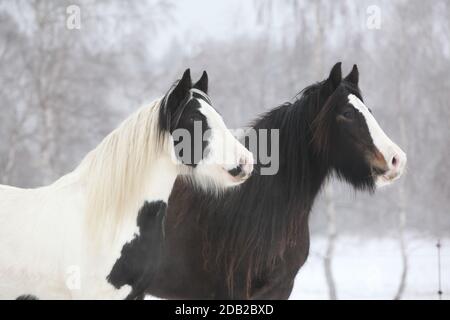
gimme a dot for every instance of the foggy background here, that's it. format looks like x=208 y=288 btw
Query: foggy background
x=63 y=90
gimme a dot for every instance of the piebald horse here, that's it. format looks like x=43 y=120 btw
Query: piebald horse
x=63 y=241
x=250 y=242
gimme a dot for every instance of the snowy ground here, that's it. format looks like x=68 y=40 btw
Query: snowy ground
x=370 y=269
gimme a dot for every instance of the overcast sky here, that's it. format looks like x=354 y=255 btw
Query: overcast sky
x=196 y=21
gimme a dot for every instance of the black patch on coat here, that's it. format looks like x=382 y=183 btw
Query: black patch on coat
x=140 y=256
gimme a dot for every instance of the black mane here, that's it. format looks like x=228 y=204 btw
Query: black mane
x=254 y=224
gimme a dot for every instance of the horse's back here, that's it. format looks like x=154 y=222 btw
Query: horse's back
x=14 y=202
x=11 y=198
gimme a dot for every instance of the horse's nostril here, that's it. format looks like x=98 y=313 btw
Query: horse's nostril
x=394 y=161
x=236 y=171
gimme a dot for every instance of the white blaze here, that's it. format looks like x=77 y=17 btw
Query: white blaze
x=387 y=148
x=225 y=151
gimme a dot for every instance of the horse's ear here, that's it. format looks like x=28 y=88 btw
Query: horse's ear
x=180 y=91
x=185 y=83
x=353 y=76
x=335 y=77
x=202 y=83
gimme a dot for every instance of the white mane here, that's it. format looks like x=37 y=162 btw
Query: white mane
x=115 y=172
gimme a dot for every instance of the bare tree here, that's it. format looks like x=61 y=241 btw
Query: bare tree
x=331 y=242
x=61 y=86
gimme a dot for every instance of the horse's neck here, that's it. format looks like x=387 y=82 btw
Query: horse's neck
x=290 y=194
x=160 y=181
x=301 y=172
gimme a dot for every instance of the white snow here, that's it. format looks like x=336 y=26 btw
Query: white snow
x=371 y=269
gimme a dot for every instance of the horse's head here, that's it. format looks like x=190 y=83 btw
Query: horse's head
x=202 y=144
x=347 y=132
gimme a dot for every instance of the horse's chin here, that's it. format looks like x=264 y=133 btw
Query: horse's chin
x=384 y=180
x=212 y=178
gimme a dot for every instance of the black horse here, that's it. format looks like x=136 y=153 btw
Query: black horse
x=251 y=241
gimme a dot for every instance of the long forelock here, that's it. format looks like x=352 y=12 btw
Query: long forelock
x=167 y=121
x=352 y=89
x=201 y=95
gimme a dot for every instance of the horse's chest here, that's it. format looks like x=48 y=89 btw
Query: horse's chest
x=139 y=257
x=278 y=282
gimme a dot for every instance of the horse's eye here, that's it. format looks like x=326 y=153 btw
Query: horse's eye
x=349 y=114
